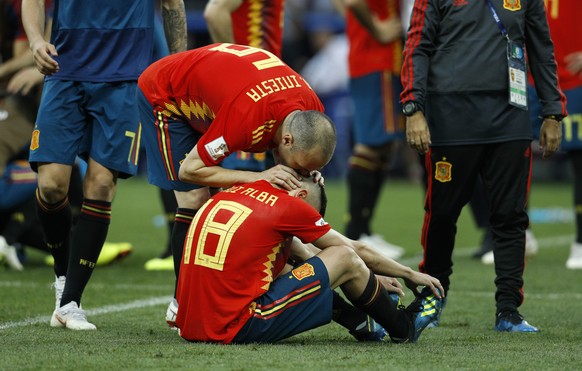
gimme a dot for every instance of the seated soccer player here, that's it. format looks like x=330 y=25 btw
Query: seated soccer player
x=230 y=289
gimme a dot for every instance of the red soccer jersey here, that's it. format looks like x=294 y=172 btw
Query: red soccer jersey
x=236 y=95
x=259 y=23
x=565 y=21
x=367 y=55
x=236 y=246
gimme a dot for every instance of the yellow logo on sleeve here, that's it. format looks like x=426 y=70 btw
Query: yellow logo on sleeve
x=34 y=141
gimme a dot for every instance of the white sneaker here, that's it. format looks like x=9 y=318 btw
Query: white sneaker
x=531 y=248
x=378 y=242
x=71 y=317
x=531 y=243
x=9 y=254
x=172 y=313
x=59 y=286
x=575 y=259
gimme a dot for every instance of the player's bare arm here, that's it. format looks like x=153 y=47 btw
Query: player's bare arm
x=174 y=17
x=384 y=31
x=217 y=16
x=193 y=170
x=381 y=264
x=33 y=19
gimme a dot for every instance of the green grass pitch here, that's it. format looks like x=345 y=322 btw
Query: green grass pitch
x=128 y=304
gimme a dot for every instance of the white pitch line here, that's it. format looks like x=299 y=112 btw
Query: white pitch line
x=543 y=243
x=138 y=304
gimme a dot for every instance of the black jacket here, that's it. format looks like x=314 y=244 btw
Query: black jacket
x=455 y=46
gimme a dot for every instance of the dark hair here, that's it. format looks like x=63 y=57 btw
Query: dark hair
x=316 y=195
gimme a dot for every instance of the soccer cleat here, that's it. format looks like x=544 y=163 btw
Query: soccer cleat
x=59 y=286
x=436 y=322
x=160 y=264
x=172 y=313
x=369 y=330
x=575 y=259
x=9 y=255
x=71 y=317
x=111 y=251
x=422 y=311
x=513 y=322
x=376 y=241
x=531 y=248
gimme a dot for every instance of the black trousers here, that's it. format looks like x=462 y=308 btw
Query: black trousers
x=452 y=172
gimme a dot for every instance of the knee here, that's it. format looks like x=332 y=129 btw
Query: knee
x=99 y=186
x=53 y=189
x=351 y=263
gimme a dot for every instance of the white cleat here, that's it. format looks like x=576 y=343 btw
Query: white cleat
x=59 y=286
x=376 y=241
x=71 y=317
x=172 y=313
x=575 y=259
x=9 y=254
x=531 y=248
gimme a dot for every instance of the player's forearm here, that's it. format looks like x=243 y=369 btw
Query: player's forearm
x=215 y=176
x=381 y=264
x=174 y=17
x=33 y=18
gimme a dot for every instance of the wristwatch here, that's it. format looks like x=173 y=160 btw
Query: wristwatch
x=409 y=108
x=554 y=117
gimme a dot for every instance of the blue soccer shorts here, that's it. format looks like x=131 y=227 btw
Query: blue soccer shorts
x=167 y=143
x=298 y=301
x=377 y=110
x=89 y=119
x=571 y=125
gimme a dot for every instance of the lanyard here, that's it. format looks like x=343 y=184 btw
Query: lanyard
x=498 y=20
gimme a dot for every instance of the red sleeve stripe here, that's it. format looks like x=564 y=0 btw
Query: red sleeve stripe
x=416 y=27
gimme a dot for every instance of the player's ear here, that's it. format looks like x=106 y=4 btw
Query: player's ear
x=287 y=139
x=301 y=193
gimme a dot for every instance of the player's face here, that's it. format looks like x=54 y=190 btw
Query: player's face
x=300 y=161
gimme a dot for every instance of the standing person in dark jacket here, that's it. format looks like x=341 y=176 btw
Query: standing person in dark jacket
x=464 y=78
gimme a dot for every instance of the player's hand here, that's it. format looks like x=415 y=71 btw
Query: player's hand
x=391 y=284
x=317 y=177
x=282 y=176
x=550 y=137
x=574 y=63
x=24 y=80
x=386 y=30
x=417 y=132
x=42 y=53
x=422 y=279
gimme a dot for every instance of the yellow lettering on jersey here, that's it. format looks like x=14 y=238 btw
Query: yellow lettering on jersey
x=270 y=86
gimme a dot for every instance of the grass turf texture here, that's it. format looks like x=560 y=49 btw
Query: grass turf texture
x=128 y=304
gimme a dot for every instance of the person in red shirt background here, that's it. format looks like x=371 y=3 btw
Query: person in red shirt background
x=374 y=33
x=565 y=28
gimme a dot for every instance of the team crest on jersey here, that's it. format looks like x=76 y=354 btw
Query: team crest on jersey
x=34 y=141
x=303 y=271
x=512 y=5
x=443 y=171
x=217 y=148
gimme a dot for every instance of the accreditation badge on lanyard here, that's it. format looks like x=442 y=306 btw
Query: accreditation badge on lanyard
x=517 y=74
x=516 y=64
